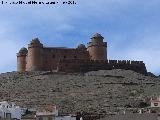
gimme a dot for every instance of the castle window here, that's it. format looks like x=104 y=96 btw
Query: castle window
x=53 y=56
x=156 y=104
x=64 y=56
x=75 y=57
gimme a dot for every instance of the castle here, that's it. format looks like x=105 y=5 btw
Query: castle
x=80 y=59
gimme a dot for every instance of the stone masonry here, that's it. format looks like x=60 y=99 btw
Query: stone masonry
x=80 y=59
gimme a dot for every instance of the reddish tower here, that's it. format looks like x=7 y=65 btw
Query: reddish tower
x=35 y=55
x=21 y=59
x=97 y=48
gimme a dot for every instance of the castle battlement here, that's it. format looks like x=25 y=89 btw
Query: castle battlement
x=80 y=65
x=79 y=59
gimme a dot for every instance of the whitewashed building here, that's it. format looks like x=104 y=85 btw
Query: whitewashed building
x=65 y=118
x=10 y=110
x=47 y=113
x=155 y=102
x=51 y=113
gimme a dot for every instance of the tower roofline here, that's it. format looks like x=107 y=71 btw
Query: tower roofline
x=97 y=35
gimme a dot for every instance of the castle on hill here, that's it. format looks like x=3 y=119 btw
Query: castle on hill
x=80 y=59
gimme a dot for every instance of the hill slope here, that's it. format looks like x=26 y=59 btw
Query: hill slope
x=101 y=91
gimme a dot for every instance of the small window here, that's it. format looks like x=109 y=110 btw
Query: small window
x=53 y=56
x=75 y=57
x=156 y=104
x=64 y=56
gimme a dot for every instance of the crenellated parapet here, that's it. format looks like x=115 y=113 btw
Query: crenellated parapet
x=79 y=59
x=77 y=65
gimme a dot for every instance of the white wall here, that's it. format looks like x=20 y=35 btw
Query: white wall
x=7 y=108
x=153 y=104
x=15 y=113
x=65 y=118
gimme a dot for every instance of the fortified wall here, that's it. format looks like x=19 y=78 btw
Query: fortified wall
x=79 y=59
x=78 y=65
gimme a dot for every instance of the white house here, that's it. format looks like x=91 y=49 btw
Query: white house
x=47 y=113
x=65 y=118
x=51 y=113
x=10 y=110
x=155 y=102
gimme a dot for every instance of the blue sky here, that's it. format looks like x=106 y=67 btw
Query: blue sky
x=131 y=28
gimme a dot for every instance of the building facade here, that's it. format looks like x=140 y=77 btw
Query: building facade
x=47 y=113
x=155 y=103
x=80 y=59
x=10 y=111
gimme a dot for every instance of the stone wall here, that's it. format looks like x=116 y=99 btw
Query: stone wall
x=21 y=62
x=80 y=59
x=34 y=56
x=79 y=65
x=97 y=48
x=52 y=56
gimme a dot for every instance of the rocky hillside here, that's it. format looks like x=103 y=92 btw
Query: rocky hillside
x=97 y=91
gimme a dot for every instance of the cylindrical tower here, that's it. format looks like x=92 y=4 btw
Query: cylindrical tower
x=35 y=58
x=21 y=59
x=97 y=48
